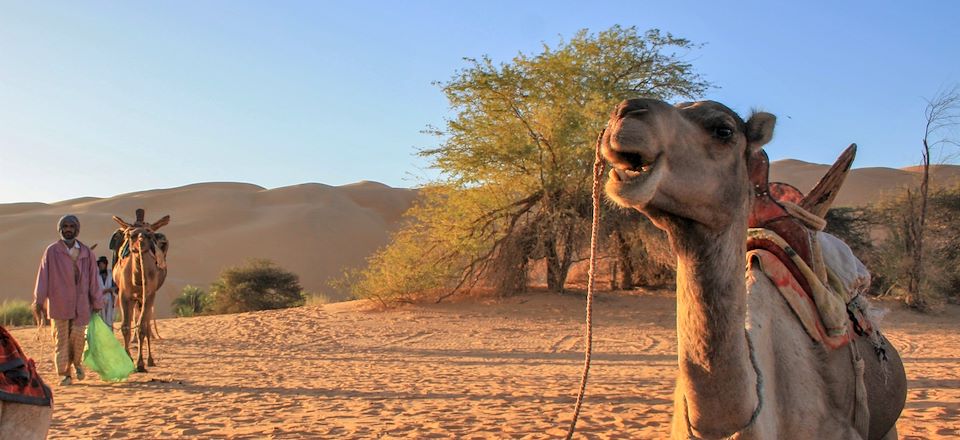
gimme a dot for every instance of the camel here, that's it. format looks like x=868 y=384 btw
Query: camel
x=139 y=275
x=26 y=403
x=747 y=367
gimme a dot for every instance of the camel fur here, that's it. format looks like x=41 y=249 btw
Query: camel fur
x=747 y=368
x=23 y=421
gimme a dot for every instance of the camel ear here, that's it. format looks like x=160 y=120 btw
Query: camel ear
x=120 y=222
x=760 y=130
x=160 y=223
x=820 y=198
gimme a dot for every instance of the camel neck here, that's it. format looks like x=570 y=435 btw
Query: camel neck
x=712 y=346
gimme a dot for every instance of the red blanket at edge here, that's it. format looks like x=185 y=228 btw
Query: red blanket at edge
x=19 y=380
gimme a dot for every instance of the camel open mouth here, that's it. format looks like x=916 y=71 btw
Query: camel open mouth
x=634 y=178
x=627 y=167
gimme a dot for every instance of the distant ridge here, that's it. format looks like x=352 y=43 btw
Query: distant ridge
x=312 y=229
x=863 y=185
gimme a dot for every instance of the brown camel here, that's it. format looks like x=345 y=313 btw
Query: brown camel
x=747 y=368
x=138 y=275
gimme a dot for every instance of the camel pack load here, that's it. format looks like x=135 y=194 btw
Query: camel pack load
x=26 y=402
x=19 y=381
x=816 y=273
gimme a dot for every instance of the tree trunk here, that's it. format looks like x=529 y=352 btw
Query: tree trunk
x=559 y=260
x=613 y=276
x=915 y=227
x=624 y=261
x=553 y=265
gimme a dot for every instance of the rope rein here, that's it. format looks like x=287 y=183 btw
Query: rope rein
x=598 y=168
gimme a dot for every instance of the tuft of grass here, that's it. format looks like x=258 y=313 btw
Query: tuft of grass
x=14 y=313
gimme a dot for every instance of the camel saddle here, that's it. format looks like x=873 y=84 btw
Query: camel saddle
x=784 y=226
x=19 y=381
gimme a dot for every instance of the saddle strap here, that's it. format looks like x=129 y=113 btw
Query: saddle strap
x=832 y=308
x=800 y=303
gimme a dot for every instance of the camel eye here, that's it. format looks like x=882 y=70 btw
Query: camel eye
x=723 y=133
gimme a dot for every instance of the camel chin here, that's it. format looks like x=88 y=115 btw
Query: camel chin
x=635 y=189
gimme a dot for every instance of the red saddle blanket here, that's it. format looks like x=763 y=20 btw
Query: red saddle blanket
x=19 y=380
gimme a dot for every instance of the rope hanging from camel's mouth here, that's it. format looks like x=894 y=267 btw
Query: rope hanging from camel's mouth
x=598 y=166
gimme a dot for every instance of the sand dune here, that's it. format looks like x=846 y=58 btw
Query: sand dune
x=863 y=185
x=314 y=230
x=504 y=369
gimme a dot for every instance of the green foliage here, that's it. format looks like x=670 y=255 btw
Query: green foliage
x=191 y=302
x=516 y=158
x=256 y=285
x=15 y=313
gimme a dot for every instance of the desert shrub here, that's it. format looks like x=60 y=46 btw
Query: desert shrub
x=191 y=302
x=256 y=285
x=891 y=263
x=408 y=267
x=943 y=242
x=16 y=313
x=852 y=225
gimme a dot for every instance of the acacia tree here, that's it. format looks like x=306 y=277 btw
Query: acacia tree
x=942 y=114
x=516 y=156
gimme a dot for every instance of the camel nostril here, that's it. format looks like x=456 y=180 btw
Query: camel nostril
x=633 y=107
x=631 y=110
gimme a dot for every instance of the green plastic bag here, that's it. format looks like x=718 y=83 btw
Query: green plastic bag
x=104 y=354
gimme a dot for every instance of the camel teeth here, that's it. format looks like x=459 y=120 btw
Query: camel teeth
x=621 y=175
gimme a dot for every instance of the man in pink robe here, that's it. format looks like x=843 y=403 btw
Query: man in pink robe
x=67 y=289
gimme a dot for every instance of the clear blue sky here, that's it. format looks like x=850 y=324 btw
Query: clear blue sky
x=279 y=93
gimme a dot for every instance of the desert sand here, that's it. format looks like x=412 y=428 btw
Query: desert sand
x=473 y=369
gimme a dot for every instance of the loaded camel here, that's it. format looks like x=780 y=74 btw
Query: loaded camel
x=748 y=368
x=139 y=273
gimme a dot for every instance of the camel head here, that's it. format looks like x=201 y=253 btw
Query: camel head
x=141 y=235
x=683 y=165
